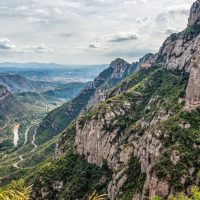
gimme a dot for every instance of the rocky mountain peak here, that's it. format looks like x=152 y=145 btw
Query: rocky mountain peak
x=194 y=18
x=119 y=63
x=147 y=61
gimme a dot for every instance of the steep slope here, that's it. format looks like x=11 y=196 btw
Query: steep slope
x=135 y=132
x=144 y=130
x=60 y=118
x=179 y=50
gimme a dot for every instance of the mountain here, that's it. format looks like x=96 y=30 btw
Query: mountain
x=66 y=91
x=9 y=106
x=57 y=120
x=140 y=140
x=17 y=83
x=179 y=51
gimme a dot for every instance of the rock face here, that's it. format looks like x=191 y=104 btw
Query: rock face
x=147 y=61
x=117 y=71
x=193 y=87
x=98 y=145
x=177 y=52
x=101 y=139
x=194 y=14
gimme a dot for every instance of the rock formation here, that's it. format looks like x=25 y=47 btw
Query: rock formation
x=193 y=87
x=178 y=49
x=194 y=14
x=140 y=119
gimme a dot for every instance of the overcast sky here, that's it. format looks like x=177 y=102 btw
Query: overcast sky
x=87 y=31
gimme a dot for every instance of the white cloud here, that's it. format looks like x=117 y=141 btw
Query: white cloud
x=6 y=44
x=40 y=48
x=123 y=36
x=101 y=29
x=93 y=45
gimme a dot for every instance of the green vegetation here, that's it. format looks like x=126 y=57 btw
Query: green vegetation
x=134 y=182
x=195 y=195
x=195 y=29
x=67 y=91
x=183 y=141
x=57 y=120
x=79 y=179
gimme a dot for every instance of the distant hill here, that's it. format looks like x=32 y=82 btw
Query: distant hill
x=17 y=84
x=66 y=91
x=9 y=106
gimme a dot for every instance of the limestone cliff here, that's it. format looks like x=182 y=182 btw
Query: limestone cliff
x=141 y=129
x=178 y=50
x=101 y=136
x=193 y=87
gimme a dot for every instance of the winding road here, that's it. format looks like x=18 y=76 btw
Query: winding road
x=15 y=165
x=15 y=129
x=26 y=134
x=33 y=141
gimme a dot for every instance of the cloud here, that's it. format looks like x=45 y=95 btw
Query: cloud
x=171 y=30
x=93 y=46
x=39 y=49
x=70 y=28
x=122 y=37
x=6 y=44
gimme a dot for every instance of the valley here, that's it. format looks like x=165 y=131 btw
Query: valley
x=123 y=131
x=19 y=140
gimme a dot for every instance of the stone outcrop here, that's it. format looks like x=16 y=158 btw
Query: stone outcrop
x=193 y=87
x=194 y=14
x=147 y=61
x=99 y=144
x=178 y=50
x=99 y=140
x=117 y=71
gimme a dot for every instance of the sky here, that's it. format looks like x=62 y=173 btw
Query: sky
x=87 y=31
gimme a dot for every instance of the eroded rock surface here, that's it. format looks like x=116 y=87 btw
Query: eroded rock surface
x=194 y=14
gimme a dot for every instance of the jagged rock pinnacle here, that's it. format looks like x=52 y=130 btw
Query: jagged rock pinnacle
x=194 y=14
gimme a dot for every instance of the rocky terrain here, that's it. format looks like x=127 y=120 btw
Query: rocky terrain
x=133 y=132
x=179 y=49
x=141 y=129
